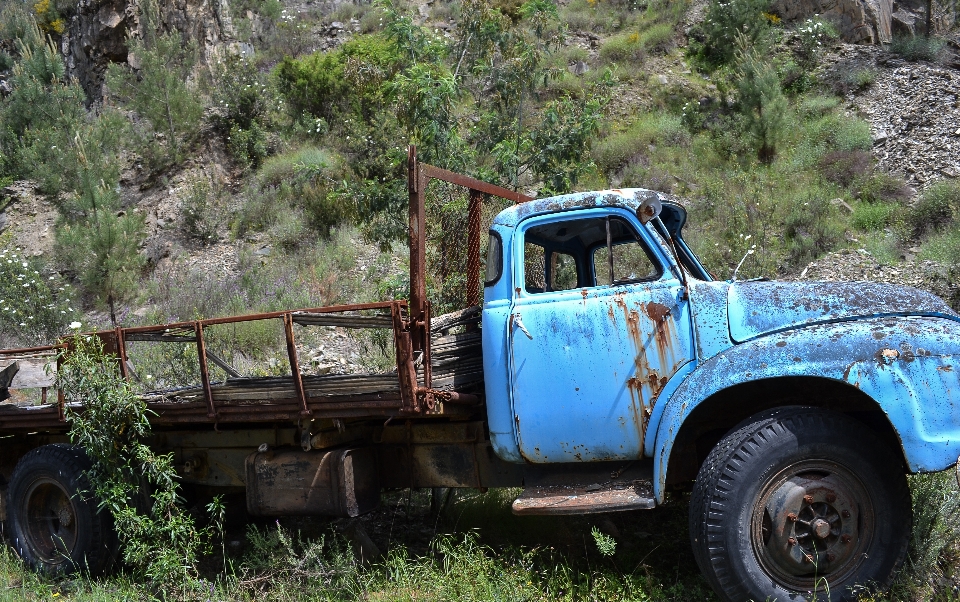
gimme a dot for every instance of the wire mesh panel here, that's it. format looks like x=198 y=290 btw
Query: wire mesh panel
x=447 y=228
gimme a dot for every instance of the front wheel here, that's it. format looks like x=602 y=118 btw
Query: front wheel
x=56 y=526
x=797 y=504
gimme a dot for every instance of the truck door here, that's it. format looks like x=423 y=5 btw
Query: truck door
x=590 y=352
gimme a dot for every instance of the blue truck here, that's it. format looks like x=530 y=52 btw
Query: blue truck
x=605 y=370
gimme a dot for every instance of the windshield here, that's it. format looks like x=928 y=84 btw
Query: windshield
x=673 y=217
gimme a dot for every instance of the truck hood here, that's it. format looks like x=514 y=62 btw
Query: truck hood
x=757 y=308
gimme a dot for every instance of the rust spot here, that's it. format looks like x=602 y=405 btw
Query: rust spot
x=517 y=289
x=657 y=311
x=945 y=368
x=890 y=353
x=583 y=293
x=781 y=343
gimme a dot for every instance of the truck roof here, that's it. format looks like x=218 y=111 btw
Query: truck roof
x=627 y=198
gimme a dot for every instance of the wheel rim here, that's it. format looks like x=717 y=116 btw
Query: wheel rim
x=51 y=521
x=813 y=521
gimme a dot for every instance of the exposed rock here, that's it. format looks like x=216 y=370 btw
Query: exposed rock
x=97 y=33
x=859 y=21
x=860 y=265
x=913 y=110
x=29 y=218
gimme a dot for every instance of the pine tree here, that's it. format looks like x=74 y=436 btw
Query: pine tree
x=761 y=101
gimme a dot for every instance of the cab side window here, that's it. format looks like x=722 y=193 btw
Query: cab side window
x=573 y=253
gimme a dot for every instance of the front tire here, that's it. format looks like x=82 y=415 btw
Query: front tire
x=55 y=525
x=797 y=503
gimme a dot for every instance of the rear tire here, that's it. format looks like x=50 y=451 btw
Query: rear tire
x=55 y=525
x=797 y=503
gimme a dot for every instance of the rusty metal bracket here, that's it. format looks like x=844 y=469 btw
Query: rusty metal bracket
x=295 y=365
x=406 y=371
x=204 y=373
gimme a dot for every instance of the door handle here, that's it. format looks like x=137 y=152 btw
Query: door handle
x=518 y=322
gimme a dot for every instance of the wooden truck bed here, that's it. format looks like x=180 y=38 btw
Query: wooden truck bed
x=439 y=375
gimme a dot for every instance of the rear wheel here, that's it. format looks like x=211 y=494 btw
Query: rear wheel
x=55 y=525
x=799 y=502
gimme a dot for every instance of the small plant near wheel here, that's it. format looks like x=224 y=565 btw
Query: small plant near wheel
x=159 y=539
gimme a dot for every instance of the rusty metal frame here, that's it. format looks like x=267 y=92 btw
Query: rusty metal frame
x=418 y=176
x=410 y=323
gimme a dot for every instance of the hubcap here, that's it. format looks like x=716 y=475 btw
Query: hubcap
x=813 y=521
x=51 y=524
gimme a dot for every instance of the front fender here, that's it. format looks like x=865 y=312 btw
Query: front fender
x=907 y=365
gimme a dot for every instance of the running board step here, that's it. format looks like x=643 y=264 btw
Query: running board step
x=585 y=499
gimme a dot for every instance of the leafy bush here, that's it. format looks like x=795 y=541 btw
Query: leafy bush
x=347 y=78
x=812 y=35
x=811 y=229
x=248 y=146
x=714 y=40
x=937 y=207
x=918 y=48
x=201 y=210
x=870 y=217
x=159 y=539
x=35 y=304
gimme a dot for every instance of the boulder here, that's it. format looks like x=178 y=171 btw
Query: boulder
x=859 y=21
x=97 y=33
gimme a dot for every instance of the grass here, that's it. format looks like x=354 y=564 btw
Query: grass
x=475 y=549
x=918 y=48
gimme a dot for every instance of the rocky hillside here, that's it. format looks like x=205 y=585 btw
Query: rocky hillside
x=672 y=117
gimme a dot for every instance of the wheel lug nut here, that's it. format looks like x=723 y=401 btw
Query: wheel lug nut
x=845 y=538
x=792 y=517
x=831 y=557
x=808 y=498
x=845 y=514
x=831 y=498
x=792 y=541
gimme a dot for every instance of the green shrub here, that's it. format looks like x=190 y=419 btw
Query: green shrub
x=248 y=146
x=715 y=38
x=35 y=304
x=349 y=77
x=813 y=35
x=936 y=208
x=325 y=208
x=202 y=211
x=617 y=150
x=811 y=229
x=871 y=217
x=160 y=542
x=879 y=186
x=918 y=48
x=241 y=93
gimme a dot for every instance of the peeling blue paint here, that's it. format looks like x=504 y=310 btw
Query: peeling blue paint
x=612 y=372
